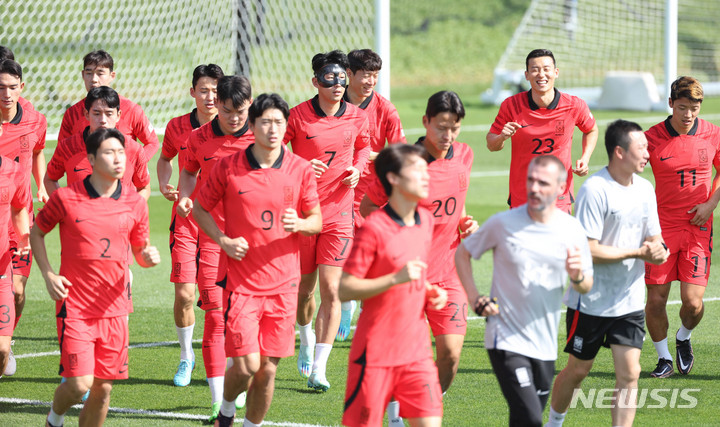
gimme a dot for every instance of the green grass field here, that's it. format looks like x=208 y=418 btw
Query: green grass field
x=149 y=398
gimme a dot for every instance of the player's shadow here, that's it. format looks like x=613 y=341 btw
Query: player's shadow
x=159 y=382
x=486 y=371
x=52 y=339
x=9 y=408
x=36 y=380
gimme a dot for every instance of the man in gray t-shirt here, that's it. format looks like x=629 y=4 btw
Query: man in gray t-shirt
x=618 y=211
x=535 y=248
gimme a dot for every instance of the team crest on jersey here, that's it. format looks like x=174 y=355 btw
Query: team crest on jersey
x=4 y=195
x=462 y=180
x=177 y=268
x=559 y=127
x=24 y=143
x=347 y=138
x=123 y=225
x=237 y=340
x=73 y=360
x=702 y=155
x=577 y=344
x=288 y=194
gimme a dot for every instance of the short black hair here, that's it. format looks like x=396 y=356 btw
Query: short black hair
x=538 y=53
x=235 y=88
x=392 y=159
x=267 y=101
x=99 y=58
x=95 y=139
x=333 y=57
x=104 y=93
x=9 y=66
x=6 y=53
x=618 y=135
x=445 y=101
x=364 y=59
x=210 y=70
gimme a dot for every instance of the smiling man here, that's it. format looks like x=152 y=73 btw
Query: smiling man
x=541 y=121
x=683 y=151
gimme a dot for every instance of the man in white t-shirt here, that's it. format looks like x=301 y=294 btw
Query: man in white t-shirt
x=535 y=248
x=618 y=211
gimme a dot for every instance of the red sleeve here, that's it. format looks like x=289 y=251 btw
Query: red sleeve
x=584 y=119
x=56 y=165
x=290 y=131
x=41 y=132
x=51 y=214
x=363 y=253
x=394 y=132
x=502 y=117
x=144 y=131
x=170 y=144
x=213 y=190
x=23 y=196
x=141 y=174
x=376 y=192
x=66 y=126
x=192 y=164
x=362 y=147
x=309 y=196
x=141 y=231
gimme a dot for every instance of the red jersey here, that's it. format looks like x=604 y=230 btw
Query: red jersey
x=27 y=105
x=256 y=198
x=133 y=123
x=682 y=166
x=207 y=146
x=340 y=141
x=14 y=193
x=176 y=137
x=70 y=158
x=392 y=329
x=95 y=234
x=544 y=131
x=23 y=136
x=449 y=181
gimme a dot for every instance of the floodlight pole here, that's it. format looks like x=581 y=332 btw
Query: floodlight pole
x=382 y=45
x=671 y=43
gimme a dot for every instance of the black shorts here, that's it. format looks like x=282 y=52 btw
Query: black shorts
x=525 y=382
x=587 y=333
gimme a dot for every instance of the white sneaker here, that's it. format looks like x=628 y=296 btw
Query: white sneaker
x=345 y=322
x=11 y=366
x=240 y=400
x=318 y=383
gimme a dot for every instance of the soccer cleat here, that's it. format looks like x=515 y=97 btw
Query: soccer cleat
x=345 y=322
x=224 y=421
x=11 y=366
x=684 y=355
x=305 y=360
x=240 y=400
x=663 y=369
x=214 y=412
x=318 y=383
x=48 y=424
x=184 y=373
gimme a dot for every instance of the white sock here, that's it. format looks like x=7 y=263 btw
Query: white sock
x=556 y=419
x=227 y=408
x=229 y=363
x=307 y=334
x=185 y=338
x=346 y=306
x=322 y=353
x=247 y=423
x=662 y=349
x=683 y=334
x=393 y=411
x=216 y=388
x=55 y=419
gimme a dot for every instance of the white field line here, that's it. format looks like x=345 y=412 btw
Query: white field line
x=161 y=414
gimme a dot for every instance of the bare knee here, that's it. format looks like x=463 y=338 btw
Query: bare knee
x=185 y=294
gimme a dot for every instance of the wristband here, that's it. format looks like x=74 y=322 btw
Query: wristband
x=577 y=282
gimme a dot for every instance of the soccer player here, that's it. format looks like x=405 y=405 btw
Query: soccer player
x=99 y=220
x=263 y=188
x=6 y=53
x=535 y=249
x=384 y=125
x=183 y=230
x=13 y=211
x=391 y=353
x=617 y=209
x=683 y=150
x=333 y=135
x=102 y=110
x=541 y=121
x=98 y=71
x=23 y=140
x=226 y=134
x=449 y=166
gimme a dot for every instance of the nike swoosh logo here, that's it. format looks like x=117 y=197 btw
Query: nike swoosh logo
x=310 y=137
x=183 y=148
x=683 y=367
x=524 y=126
x=208 y=158
x=78 y=170
x=695 y=276
x=80 y=220
x=339 y=259
x=243 y=192
x=662 y=159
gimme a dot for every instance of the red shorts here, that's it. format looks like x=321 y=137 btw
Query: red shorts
x=415 y=386
x=7 y=300
x=97 y=347
x=689 y=259
x=212 y=268
x=330 y=247
x=452 y=319
x=183 y=249
x=260 y=324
